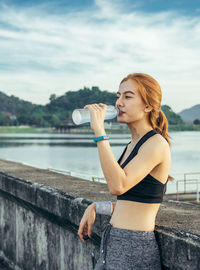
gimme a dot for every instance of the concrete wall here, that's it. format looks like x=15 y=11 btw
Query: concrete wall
x=39 y=223
x=38 y=228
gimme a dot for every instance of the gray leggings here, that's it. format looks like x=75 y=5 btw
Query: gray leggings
x=123 y=249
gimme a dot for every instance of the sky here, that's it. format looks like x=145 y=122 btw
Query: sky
x=54 y=46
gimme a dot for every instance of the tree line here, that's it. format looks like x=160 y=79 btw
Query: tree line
x=15 y=111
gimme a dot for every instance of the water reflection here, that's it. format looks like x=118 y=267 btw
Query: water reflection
x=70 y=144
x=54 y=140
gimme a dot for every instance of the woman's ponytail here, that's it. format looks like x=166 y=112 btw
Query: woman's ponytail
x=160 y=124
x=162 y=128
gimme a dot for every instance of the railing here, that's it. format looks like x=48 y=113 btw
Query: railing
x=185 y=178
x=75 y=174
x=98 y=179
x=188 y=182
x=60 y=171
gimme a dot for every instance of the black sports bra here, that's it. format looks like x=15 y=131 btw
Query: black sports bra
x=149 y=189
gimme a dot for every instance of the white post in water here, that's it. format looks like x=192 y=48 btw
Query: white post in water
x=197 y=191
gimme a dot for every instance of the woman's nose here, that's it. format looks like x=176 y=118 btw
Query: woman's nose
x=119 y=102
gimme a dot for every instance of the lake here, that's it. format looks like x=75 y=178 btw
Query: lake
x=76 y=154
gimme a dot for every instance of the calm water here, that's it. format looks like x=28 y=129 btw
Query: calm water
x=78 y=154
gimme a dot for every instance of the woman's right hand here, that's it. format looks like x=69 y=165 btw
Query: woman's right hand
x=87 y=221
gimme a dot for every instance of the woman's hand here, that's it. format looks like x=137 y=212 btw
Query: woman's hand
x=87 y=221
x=97 y=116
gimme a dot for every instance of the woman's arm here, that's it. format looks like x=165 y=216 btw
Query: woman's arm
x=111 y=169
x=87 y=221
x=113 y=173
x=120 y=180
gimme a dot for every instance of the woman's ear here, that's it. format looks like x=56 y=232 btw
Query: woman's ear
x=147 y=108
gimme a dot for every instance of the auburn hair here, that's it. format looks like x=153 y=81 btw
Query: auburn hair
x=151 y=94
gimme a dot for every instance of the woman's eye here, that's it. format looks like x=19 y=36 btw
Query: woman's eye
x=127 y=97
x=117 y=97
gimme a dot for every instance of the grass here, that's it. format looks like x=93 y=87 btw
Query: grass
x=23 y=129
x=29 y=129
x=186 y=127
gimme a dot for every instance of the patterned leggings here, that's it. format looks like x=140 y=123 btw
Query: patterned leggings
x=123 y=249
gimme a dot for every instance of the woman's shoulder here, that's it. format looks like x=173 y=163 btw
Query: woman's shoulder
x=157 y=142
x=158 y=138
x=155 y=152
x=160 y=143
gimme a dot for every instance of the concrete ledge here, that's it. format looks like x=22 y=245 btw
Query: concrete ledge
x=40 y=212
x=179 y=250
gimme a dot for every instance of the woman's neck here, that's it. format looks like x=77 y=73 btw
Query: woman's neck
x=137 y=132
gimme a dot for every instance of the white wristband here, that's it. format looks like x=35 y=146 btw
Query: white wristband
x=104 y=208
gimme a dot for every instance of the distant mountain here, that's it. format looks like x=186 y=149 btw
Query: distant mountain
x=190 y=114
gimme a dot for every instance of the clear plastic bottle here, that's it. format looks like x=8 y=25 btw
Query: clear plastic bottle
x=81 y=116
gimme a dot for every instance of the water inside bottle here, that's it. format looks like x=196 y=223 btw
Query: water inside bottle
x=76 y=116
x=81 y=116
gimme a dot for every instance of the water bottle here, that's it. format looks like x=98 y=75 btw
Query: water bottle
x=81 y=116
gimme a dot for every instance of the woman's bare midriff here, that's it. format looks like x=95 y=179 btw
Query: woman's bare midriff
x=134 y=215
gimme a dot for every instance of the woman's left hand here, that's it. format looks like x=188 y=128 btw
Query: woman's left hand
x=97 y=116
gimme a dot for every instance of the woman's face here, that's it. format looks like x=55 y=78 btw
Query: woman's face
x=130 y=104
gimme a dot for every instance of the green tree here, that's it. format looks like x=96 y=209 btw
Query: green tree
x=196 y=122
x=4 y=120
x=52 y=97
x=172 y=117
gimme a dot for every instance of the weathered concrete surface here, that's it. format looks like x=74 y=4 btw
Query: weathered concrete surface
x=4 y=266
x=39 y=218
x=185 y=197
x=71 y=185
x=178 y=233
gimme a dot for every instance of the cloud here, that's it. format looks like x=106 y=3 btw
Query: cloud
x=46 y=52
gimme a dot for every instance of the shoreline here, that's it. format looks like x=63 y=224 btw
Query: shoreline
x=32 y=130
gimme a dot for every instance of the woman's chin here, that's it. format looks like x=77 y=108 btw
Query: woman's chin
x=119 y=120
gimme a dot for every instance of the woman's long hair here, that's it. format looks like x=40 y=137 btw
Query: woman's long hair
x=151 y=94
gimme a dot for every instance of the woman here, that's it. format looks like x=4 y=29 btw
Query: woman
x=138 y=179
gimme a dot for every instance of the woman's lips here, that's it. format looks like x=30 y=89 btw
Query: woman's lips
x=120 y=113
